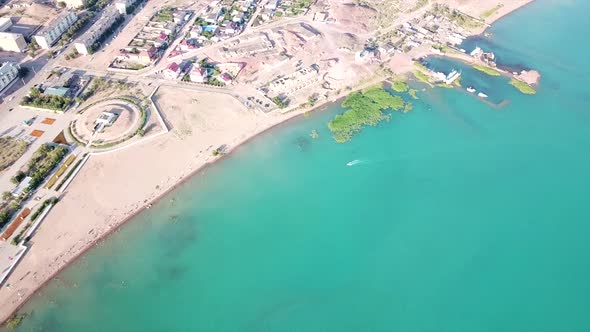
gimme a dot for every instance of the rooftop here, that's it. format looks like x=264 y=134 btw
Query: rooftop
x=106 y=19
x=53 y=22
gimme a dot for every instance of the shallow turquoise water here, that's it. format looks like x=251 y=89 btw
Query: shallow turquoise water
x=459 y=217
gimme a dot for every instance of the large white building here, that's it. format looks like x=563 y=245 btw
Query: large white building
x=8 y=73
x=10 y=41
x=5 y=23
x=50 y=34
x=109 y=15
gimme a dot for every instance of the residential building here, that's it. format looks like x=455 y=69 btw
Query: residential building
x=214 y=15
x=272 y=4
x=75 y=3
x=188 y=44
x=143 y=57
x=8 y=73
x=172 y=71
x=225 y=78
x=20 y=188
x=12 y=42
x=50 y=34
x=320 y=16
x=198 y=75
x=122 y=5
x=56 y=91
x=108 y=17
x=5 y=23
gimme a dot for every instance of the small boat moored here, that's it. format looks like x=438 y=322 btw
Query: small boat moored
x=470 y=90
x=482 y=95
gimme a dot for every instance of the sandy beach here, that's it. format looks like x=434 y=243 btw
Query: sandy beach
x=99 y=204
x=112 y=187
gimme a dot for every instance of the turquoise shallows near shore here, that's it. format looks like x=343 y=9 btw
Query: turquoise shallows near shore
x=457 y=217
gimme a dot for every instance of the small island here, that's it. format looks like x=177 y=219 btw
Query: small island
x=366 y=108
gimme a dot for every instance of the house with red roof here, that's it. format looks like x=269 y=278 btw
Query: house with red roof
x=199 y=75
x=172 y=71
x=225 y=78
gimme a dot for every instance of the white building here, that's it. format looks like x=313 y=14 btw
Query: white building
x=122 y=5
x=172 y=71
x=50 y=34
x=104 y=119
x=198 y=75
x=10 y=41
x=8 y=73
x=20 y=188
x=5 y=23
x=109 y=15
x=272 y=4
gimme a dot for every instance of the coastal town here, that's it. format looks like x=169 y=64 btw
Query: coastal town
x=105 y=105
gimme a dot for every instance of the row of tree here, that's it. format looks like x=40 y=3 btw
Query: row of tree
x=37 y=99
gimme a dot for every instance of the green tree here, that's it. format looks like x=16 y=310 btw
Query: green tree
x=6 y=196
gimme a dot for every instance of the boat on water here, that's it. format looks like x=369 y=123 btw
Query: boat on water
x=482 y=95
x=352 y=163
x=452 y=76
x=470 y=90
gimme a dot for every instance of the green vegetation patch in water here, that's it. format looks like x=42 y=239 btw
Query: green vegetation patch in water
x=422 y=77
x=399 y=86
x=488 y=70
x=522 y=87
x=412 y=93
x=364 y=109
x=408 y=107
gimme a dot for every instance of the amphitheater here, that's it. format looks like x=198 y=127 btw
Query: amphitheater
x=126 y=124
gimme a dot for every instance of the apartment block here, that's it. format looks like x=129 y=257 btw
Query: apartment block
x=108 y=16
x=50 y=34
x=10 y=41
x=8 y=73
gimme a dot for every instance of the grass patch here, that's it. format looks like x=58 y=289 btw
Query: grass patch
x=408 y=107
x=419 y=4
x=457 y=17
x=364 y=109
x=10 y=150
x=399 y=86
x=63 y=181
x=59 y=172
x=422 y=77
x=488 y=70
x=45 y=159
x=522 y=87
x=491 y=12
x=14 y=321
x=47 y=202
x=420 y=66
x=412 y=93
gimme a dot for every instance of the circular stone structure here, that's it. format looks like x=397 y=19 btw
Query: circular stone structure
x=122 y=125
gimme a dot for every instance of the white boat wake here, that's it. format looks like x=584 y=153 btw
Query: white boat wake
x=354 y=162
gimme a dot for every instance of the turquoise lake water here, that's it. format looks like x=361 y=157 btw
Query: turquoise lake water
x=459 y=217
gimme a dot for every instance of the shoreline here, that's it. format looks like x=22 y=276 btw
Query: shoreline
x=292 y=115
x=184 y=178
